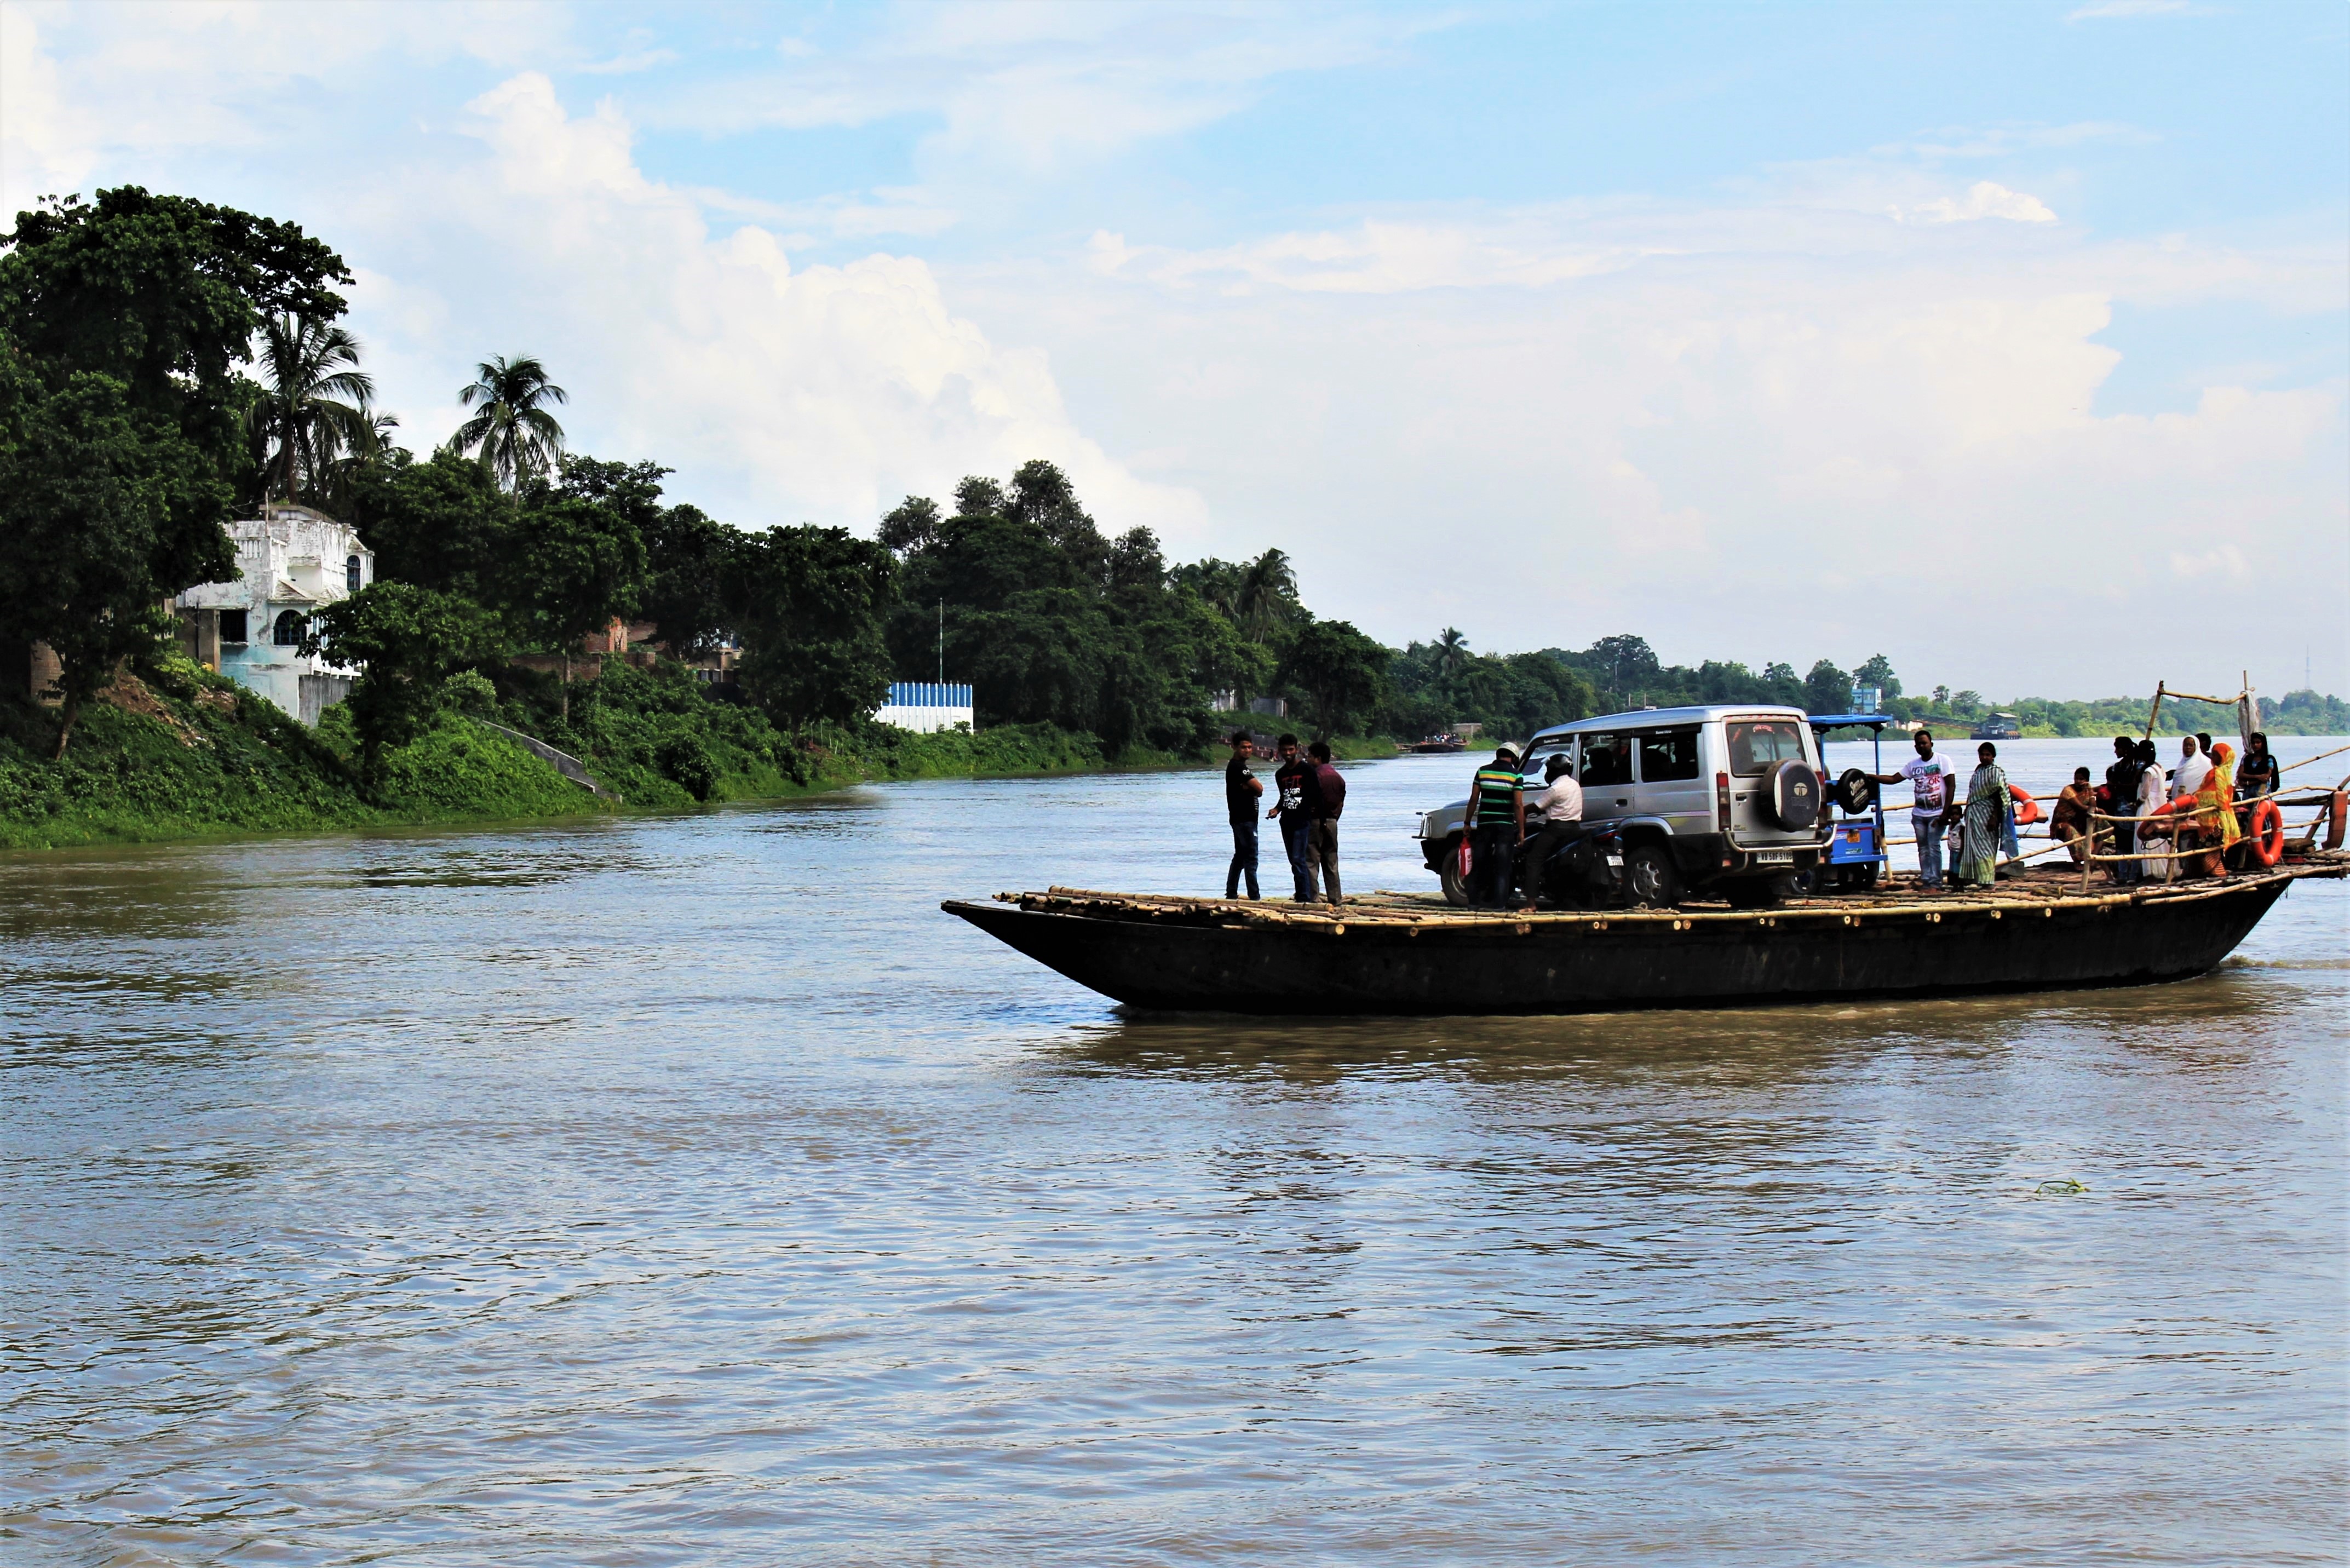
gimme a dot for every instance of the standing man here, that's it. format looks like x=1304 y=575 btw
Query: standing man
x=1931 y=779
x=2123 y=782
x=1497 y=825
x=1297 y=802
x=1242 y=789
x=1333 y=790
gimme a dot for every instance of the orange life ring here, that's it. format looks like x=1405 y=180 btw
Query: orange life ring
x=2027 y=810
x=2266 y=834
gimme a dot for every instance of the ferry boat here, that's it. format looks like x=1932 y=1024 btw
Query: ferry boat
x=1404 y=953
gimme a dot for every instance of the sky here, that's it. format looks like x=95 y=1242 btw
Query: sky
x=2011 y=341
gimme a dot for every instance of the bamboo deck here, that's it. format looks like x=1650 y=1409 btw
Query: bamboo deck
x=2042 y=892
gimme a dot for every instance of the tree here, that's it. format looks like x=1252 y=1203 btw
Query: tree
x=1967 y=704
x=442 y=525
x=313 y=403
x=913 y=524
x=155 y=299
x=810 y=604
x=1827 y=689
x=408 y=641
x=1266 y=599
x=691 y=559
x=93 y=493
x=1342 y=674
x=514 y=436
x=1624 y=664
x=1878 y=672
x=1451 y=650
x=570 y=567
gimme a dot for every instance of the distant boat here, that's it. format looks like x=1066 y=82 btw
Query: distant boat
x=1434 y=744
x=1999 y=727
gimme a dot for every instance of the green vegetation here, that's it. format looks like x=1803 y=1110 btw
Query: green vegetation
x=129 y=434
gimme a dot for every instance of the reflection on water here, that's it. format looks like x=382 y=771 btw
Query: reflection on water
x=693 y=1192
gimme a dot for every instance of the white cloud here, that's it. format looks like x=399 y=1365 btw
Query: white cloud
x=2107 y=10
x=822 y=392
x=1758 y=432
x=1983 y=199
x=1041 y=87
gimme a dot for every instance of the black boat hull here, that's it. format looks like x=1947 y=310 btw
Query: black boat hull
x=1498 y=965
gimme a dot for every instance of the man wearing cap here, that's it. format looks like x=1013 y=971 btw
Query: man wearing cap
x=1497 y=825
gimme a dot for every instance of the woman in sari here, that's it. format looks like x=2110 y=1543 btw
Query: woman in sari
x=1987 y=809
x=2215 y=810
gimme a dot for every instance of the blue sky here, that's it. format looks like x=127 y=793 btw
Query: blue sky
x=1770 y=332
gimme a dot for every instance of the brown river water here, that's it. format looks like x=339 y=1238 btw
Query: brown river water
x=692 y=1190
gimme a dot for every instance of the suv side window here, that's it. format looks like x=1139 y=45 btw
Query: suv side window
x=1539 y=754
x=1606 y=760
x=1668 y=756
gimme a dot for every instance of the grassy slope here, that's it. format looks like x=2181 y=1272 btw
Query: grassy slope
x=207 y=758
x=188 y=754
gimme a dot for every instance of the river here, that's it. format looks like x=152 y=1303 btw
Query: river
x=692 y=1190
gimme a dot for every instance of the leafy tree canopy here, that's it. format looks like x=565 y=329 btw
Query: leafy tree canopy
x=410 y=639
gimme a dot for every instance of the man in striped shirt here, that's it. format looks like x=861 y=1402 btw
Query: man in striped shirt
x=1497 y=825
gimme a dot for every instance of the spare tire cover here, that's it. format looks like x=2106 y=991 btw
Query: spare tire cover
x=1855 y=791
x=1794 y=795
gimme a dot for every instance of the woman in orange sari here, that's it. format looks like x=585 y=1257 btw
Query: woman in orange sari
x=2215 y=810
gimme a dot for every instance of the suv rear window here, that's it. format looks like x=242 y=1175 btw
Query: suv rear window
x=1668 y=756
x=1758 y=745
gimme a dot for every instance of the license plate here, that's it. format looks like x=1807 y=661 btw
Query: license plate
x=1615 y=860
x=1774 y=858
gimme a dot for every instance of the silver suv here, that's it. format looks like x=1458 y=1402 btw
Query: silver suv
x=1725 y=802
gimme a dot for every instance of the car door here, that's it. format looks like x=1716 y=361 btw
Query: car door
x=1605 y=775
x=1670 y=780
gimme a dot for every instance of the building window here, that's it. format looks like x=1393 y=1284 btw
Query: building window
x=351 y=574
x=232 y=625
x=289 y=630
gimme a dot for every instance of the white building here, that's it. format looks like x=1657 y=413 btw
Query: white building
x=924 y=706
x=291 y=562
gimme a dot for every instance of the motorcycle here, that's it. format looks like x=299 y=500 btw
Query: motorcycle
x=1586 y=872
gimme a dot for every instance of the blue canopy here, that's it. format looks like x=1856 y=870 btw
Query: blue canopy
x=1838 y=721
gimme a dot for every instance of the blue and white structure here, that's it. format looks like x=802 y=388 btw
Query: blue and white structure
x=925 y=706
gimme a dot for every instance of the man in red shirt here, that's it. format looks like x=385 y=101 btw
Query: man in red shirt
x=1324 y=849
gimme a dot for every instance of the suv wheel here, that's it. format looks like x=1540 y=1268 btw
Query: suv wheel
x=1650 y=881
x=1448 y=872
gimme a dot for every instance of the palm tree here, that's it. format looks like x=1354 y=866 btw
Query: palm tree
x=517 y=438
x=1266 y=591
x=314 y=402
x=1451 y=650
x=370 y=441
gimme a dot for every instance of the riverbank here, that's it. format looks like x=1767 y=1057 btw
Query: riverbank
x=183 y=753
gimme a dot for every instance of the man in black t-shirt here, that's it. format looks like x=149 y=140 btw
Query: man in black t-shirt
x=1242 y=789
x=2122 y=785
x=1298 y=805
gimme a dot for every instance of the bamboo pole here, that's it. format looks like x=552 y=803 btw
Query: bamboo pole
x=2154 y=712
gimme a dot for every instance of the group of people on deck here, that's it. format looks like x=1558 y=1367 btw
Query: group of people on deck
x=2192 y=807
x=1309 y=796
